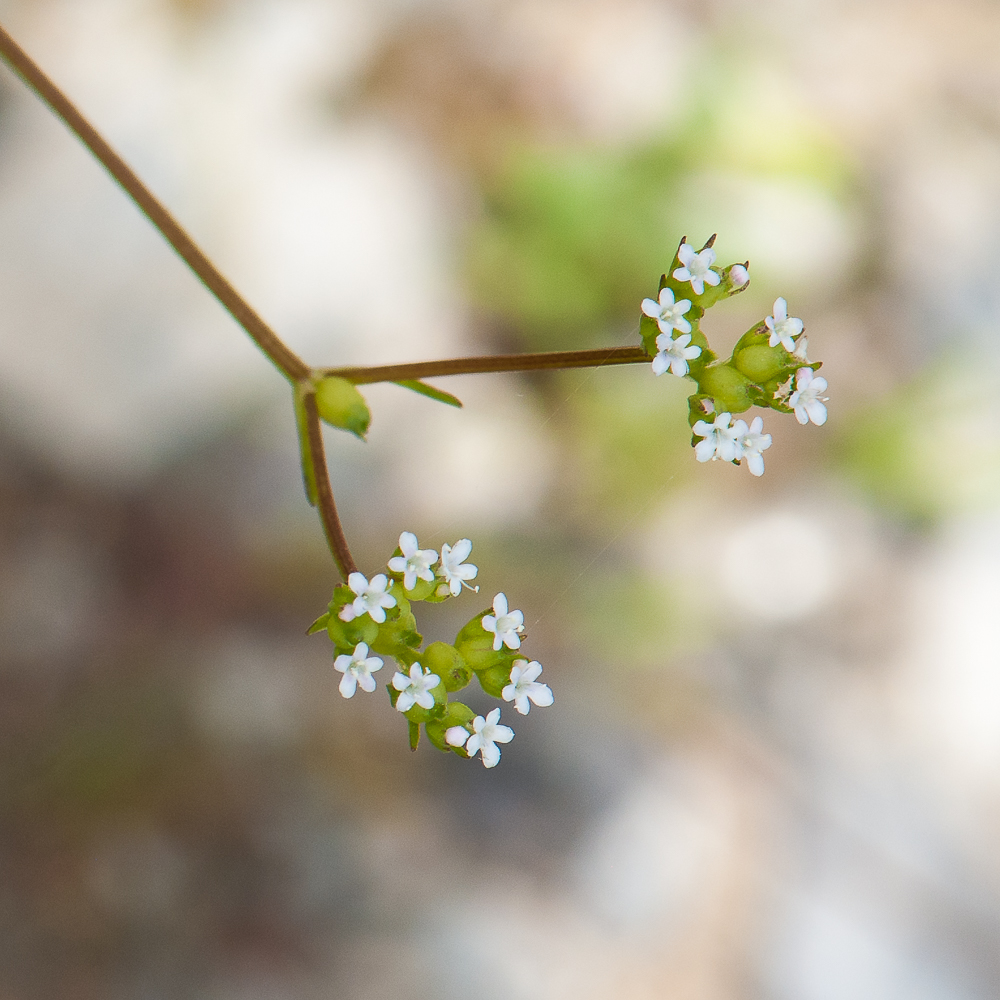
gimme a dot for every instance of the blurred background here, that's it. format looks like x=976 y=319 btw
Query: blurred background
x=772 y=770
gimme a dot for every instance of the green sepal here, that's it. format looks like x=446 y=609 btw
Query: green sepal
x=497 y=677
x=341 y=405
x=419 y=715
x=414 y=734
x=456 y=714
x=415 y=385
x=649 y=330
x=727 y=387
x=446 y=661
x=475 y=645
x=319 y=624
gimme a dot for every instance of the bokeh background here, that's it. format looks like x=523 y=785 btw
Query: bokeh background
x=772 y=771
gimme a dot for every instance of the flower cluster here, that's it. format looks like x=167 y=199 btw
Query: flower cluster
x=769 y=366
x=371 y=619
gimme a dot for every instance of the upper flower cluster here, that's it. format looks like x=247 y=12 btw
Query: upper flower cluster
x=769 y=366
x=371 y=619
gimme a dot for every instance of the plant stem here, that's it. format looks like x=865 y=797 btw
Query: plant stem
x=286 y=360
x=324 y=492
x=492 y=363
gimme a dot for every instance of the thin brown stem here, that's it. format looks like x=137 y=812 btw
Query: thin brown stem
x=286 y=360
x=492 y=363
x=324 y=492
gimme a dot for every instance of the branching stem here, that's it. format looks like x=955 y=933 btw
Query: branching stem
x=284 y=359
x=492 y=363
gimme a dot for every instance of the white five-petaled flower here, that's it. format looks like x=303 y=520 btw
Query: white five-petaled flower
x=357 y=668
x=415 y=689
x=807 y=400
x=504 y=625
x=486 y=734
x=524 y=685
x=414 y=562
x=669 y=315
x=719 y=439
x=674 y=354
x=750 y=442
x=372 y=598
x=784 y=328
x=696 y=267
x=454 y=569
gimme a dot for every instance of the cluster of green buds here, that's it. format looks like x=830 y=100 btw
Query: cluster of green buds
x=370 y=619
x=768 y=366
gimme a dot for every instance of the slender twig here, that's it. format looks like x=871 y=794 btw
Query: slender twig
x=492 y=363
x=286 y=360
x=324 y=492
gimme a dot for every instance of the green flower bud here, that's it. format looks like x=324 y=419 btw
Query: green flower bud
x=761 y=363
x=727 y=387
x=447 y=663
x=341 y=405
x=475 y=645
x=497 y=677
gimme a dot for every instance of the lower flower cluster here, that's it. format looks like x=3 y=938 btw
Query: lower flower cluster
x=371 y=619
x=768 y=367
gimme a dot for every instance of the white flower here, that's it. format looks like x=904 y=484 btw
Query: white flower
x=750 y=442
x=697 y=267
x=456 y=736
x=801 y=349
x=372 y=598
x=807 y=401
x=357 y=668
x=720 y=439
x=453 y=567
x=524 y=685
x=415 y=689
x=783 y=328
x=668 y=314
x=504 y=626
x=487 y=733
x=414 y=562
x=674 y=354
x=738 y=276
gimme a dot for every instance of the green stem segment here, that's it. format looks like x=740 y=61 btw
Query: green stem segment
x=550 y=360
x=283 y=358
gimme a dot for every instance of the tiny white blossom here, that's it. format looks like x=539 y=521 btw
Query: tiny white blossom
x=696 y=267
x=454 y=569
x=669 y=315
x=415 y=689
x=807 y=400
x=372 y=598
x=504 y=625
x=414 y=562
x=783 y=328
x=750 y=442
x=524 y=685
x=674 y=354
x=801 y=349
x=487 y=733
x=357 y=669
x=738 y=276
x=720 y=439
x=456 y=736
